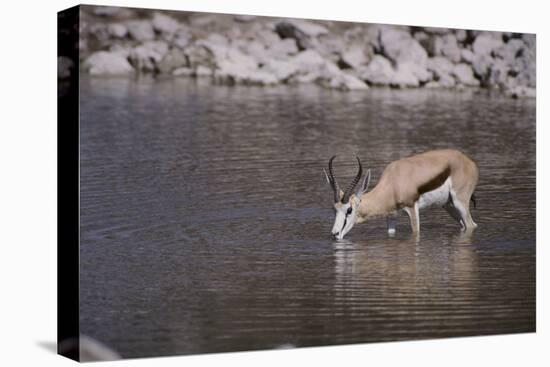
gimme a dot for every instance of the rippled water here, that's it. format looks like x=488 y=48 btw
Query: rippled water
x=206 y=218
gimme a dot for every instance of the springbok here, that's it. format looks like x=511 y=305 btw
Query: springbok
x=445 y=178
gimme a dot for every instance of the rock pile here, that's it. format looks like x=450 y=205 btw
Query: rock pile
x=267 y=51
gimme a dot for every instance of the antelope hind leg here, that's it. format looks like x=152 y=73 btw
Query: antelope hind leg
x=454 y=212
x=463 y=207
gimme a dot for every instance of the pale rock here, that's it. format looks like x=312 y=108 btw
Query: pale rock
x=234 y=33
x=107 y=11
x=304 y=78
x=107 y=63
x=331 y=47
x=100 y=32
x=499 y=76
x=526 y=66
x=147 y=55
x=507 y=36
x=204 y=20
x=515 y=59
x=104 y=11
x=164 y=23
x=112 y=12
x=174 y=59
x=117 y=30
x=181 y=38
x=242 y=43
x=510 y=51
x=255 y=49
x=372 y=35
x=287 y=30
x=447 y=46
x=420 y=72
x=354 y=58
x=404 y=77
x=344 y=81
x=465 y=75
x=216 y=39
x=520 y=58
x=282 y=69
x=214 y=53
x=199 y=55
x=432 y=85
x=466 y=56
x=140 y=30
x=379 y=71
x=446 y=81
x=421 y=37
x=400 y=47
x=282 y=48
x=530 y=40
x=370 y=38
x=122 y=49
x=482 y=65
x=229 y=72
x=329 y=70
x=409 y=74
x=303 y=31
x=313 y=67
x=439 y=66
x=308 y=27
x=461 y=35
x=266 y=36
x=238 y=57
x=232 y=66
x=308 y=60
x=486 y=43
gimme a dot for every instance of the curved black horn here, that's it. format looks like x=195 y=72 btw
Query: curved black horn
x=333 y=181
x=353 y=183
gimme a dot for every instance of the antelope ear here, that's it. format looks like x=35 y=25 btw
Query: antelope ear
x=341 y=194
x=364 y=185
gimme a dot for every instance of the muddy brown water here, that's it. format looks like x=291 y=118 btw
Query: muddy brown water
x=206 y=218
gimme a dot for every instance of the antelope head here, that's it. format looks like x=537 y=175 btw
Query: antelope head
x=346 y=203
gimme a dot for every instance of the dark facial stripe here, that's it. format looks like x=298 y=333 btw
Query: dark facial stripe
x=345 y=221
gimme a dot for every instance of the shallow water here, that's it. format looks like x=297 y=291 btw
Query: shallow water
x=206 y=218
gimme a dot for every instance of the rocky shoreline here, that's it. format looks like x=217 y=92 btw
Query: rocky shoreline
x=267 y=51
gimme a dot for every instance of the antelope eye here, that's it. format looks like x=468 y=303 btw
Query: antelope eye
x=349 y=211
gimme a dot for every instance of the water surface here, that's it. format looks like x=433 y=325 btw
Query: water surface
x=206 y=218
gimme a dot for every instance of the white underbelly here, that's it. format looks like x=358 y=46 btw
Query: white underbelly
x=437 y=197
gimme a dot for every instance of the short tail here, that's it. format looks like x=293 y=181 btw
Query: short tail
x=473 y=199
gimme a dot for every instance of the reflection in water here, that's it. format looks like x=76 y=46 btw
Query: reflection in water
x=205 y=218
x=407 y=288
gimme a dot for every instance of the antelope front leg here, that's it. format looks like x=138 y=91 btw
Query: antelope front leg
x=414 y=217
